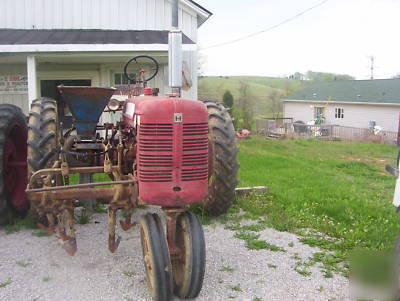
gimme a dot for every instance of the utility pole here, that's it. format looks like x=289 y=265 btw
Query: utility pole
x=372 y=58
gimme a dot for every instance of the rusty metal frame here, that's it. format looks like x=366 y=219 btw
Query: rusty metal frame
x=172 y=217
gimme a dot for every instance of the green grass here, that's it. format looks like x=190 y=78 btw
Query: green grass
x=236 y=288
x=99 y=208
x=227 y=268
x=23 y=263
x=5 y=283
x=83 y=218
x=322 y=190
x=46 y=279
x=40 y=233
x=18 y=224
x=129 y=273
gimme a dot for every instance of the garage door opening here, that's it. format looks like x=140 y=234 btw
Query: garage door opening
x=48 y=88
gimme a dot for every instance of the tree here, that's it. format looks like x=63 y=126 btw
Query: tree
x=274 y=98
x=297 y=75
x=325 y=76
x=228 y=99
x=244 y=109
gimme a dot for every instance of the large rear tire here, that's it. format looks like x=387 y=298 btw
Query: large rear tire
x=42 y=134
x=223 y=176
x=42 y=142
x=13 y=170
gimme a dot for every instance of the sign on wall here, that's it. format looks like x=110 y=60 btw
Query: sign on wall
x=13 y=84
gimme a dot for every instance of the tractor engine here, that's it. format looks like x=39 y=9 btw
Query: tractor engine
x=172 y=148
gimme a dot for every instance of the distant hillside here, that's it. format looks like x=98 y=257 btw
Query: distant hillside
x=260 y=88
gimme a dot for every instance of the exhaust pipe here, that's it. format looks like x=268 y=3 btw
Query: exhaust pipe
x=175 y=51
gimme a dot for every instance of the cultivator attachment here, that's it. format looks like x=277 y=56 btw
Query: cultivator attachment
x=49 y=189
x=57 y=205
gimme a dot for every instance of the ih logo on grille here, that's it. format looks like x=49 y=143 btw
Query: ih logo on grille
x=178 y=117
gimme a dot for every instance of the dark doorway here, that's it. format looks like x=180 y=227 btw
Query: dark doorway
x=48 y=88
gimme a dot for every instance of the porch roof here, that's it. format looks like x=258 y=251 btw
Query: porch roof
x=84 y=36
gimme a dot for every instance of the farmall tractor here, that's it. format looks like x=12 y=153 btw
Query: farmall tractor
x=165 y=151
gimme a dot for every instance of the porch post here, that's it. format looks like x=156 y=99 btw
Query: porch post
x=32 y=78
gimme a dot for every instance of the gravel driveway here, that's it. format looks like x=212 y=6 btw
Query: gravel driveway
x=36 y=268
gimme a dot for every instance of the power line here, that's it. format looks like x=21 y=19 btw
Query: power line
x=269 y=28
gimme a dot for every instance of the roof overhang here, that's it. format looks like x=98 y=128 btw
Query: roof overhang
x=327 y=102
x=203 y=14
x=67 y=40
x=28 y=48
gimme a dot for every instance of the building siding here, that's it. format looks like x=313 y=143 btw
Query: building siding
x=95 y=14
x=355 y=115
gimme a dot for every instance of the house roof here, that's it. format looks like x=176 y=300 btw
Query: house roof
x=84 y=36
x=374 y=91
x=201 y=18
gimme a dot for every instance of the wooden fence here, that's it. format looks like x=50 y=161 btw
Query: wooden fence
x=286 y=128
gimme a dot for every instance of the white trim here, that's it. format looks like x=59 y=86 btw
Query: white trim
x=343 y=102
x=90 y=47
x=32 y=78
x=197 y=9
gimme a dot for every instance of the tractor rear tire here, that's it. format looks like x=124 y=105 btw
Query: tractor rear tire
x=223 y=176
x=42 y=142
x=13 y=171
x=42 y=134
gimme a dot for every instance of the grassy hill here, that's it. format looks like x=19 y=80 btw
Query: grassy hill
x=260 y=88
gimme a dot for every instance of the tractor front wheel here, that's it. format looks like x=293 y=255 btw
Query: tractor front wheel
x=13 y=168
x=188 y=269
x=223 y=150
x=156 y=257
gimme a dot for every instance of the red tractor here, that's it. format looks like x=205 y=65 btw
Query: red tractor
x=165 y=151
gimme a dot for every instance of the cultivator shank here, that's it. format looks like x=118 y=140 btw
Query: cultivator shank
x=57 y=202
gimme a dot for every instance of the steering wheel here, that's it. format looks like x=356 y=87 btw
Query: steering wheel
x=141 y=60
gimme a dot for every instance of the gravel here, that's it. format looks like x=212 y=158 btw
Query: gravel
x=40 y=270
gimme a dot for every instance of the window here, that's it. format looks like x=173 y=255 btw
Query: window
x=339 y=113
x=319 y=112
x=120 y=79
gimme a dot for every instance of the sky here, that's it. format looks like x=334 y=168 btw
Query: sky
x=339 y=36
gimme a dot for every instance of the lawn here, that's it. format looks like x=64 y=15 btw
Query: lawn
x=338 y=190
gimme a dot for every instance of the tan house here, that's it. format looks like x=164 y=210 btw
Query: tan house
x=355 y=103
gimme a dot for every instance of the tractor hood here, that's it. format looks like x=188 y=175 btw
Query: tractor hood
x=86 y=105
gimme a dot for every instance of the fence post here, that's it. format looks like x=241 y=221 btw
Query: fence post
x=398 y=133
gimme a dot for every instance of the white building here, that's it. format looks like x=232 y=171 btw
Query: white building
x=44 y=43
x=355 y=103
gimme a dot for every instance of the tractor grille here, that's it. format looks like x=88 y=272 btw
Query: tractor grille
x=155 y=152
x=195 y=152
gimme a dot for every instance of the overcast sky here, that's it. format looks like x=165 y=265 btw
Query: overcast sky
x=338 y=37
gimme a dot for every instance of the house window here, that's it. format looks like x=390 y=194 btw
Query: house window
x=319 y=112
x=120 y=79
x=339 y=113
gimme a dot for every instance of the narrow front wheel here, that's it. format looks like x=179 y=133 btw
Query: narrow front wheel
x=156 y=257
x=189 y=267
